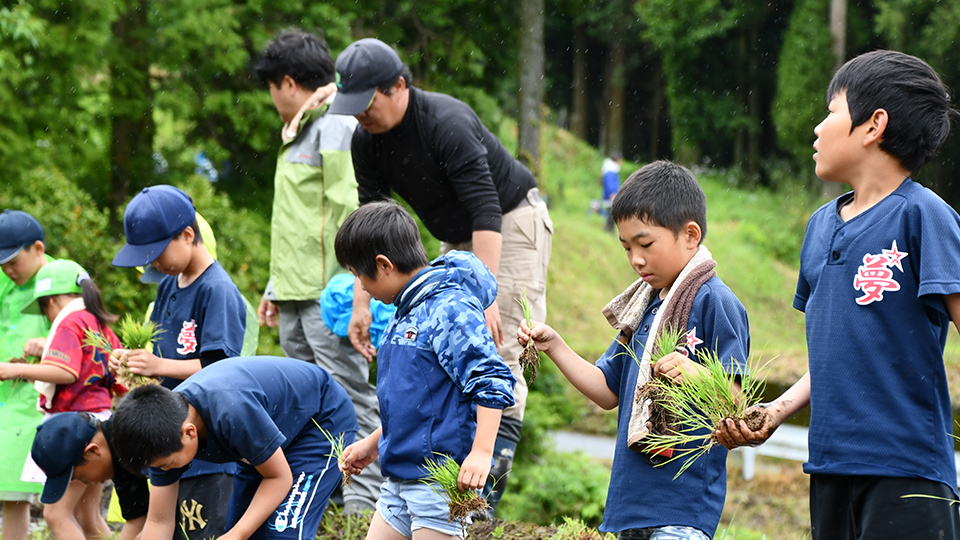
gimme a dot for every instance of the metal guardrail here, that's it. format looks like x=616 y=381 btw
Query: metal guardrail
x=788 y=442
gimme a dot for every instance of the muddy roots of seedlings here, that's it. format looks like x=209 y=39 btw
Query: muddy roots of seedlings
x=662 y=420
x=461 y=510
x=346 y=479
x=530 y=358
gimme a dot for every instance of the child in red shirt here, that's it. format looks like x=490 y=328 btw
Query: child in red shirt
x=71 y=376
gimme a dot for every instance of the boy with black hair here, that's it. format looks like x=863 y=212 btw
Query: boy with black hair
x=264 y=414
x=661 y=216
x=879 y=285
x=77 y=446
x=441 y=384
x=202 y=317
x=314 y=191
x=22 y=254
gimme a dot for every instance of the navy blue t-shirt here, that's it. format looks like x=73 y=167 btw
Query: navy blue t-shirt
x=251 y=406
x=641 y=495
x=207 y=315
x=872 y=290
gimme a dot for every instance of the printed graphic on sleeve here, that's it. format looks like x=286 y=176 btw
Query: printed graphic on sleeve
x=691 y=342
x=188 y=337
x=875 y=275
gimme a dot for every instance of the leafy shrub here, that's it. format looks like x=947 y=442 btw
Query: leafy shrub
x=559 y=485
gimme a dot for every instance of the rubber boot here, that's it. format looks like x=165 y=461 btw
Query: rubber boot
x=503 y=452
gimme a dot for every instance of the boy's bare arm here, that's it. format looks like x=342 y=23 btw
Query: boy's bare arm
x=132 y=528
x=161 y=513
x=50 y=373
x=273 y=489
x=733 y=435
x=953 y=308
x=476 y=466
x=586 y=377
x=143 y=362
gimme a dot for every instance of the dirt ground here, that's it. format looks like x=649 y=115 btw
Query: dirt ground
x=775 y=502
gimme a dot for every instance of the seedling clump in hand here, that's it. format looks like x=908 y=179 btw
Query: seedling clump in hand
x=661 y=418
x=530 y=356
x=442 y=474
x=336 y=450
x=133 y=334
x=702 y=403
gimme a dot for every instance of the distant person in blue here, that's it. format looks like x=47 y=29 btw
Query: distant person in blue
x=879 y=286
x=442 y=386
x=610 y=180
x=263 y=413
x=661 y=217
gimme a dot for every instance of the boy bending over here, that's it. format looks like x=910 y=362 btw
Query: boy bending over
x=259 y=412
x=440 y=382
x=661 y=217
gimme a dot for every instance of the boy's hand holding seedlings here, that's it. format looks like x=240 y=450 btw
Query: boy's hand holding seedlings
x=677 y=367
x=735 y=434
x=361 y=453
x=585 y=376
x=35 y=346
x=144 y=362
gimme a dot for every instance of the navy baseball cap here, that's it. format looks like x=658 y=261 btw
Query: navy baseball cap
x=59 y=444
x=151 y=220
x=17 y=230
x=363 y=66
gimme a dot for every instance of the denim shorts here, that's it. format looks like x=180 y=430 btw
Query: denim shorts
x=669 y=532
x=409 y=505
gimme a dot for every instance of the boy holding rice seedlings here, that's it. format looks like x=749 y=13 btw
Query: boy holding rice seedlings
x=261 y=413
x=202 y=318
x=440 y=382
x=879 y=285
x=22 y=254
x=77 y=446
x=660 y=213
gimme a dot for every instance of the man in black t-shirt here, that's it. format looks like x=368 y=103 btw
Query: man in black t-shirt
x=469 y=191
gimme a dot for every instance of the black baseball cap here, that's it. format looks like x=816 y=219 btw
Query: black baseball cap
x=363 y=66
x=18 y=230
x=59 y=444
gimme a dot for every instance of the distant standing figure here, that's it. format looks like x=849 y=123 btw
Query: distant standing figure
x=610 y=180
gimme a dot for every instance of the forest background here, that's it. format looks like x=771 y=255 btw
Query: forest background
x=100 y=99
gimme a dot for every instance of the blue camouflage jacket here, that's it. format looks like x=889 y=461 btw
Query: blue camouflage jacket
x=436 y=363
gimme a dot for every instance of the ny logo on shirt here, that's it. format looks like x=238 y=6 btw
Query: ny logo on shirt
x=188 y=337
x=875 y=275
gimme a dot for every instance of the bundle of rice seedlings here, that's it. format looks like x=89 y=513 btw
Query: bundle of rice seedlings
x=701 y=403
x=134 y=334
x=442 y=474
x=336 y=450
x=25 y=359
x=661 y=418
x=529 y=356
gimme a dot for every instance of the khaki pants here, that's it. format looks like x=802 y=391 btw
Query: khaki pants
x=527 y=232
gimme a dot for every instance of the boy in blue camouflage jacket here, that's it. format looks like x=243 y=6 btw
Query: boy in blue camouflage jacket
x=440 y=382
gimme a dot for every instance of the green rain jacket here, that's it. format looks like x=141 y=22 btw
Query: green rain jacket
x=314 y=191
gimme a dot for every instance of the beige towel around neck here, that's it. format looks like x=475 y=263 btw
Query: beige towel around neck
x=625 y=312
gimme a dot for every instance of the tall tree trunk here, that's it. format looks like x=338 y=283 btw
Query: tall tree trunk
x=657 y=115
x=616 y=92
x=578 y=120
x=531 y=84
x=838 y=42
x=131 y=106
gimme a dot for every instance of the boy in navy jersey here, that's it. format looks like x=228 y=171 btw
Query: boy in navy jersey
x=202 y=317
x=879 y=285
x=263 y=414
x=661 y=217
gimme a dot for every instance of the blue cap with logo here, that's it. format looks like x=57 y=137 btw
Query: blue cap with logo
x=151 y=220
x=363 y=66
x=58 y=446
x=18 y=230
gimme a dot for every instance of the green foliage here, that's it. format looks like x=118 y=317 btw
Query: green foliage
x=559 y=485
x=803 y=74
x=574 y=529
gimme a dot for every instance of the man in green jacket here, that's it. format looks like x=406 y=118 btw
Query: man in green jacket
x=314 y=191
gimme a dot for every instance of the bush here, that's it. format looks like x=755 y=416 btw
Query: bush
x=560 y=485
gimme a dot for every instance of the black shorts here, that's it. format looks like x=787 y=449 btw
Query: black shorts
x=873 y=508
x=202 y=503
